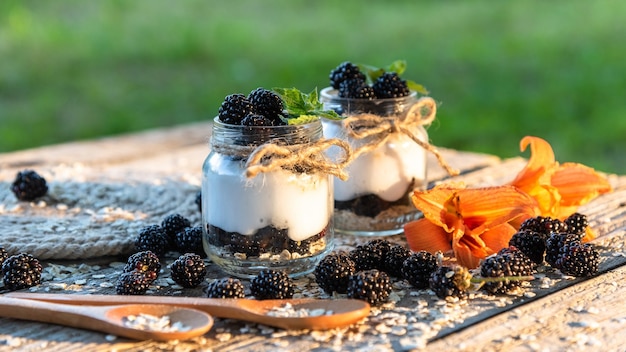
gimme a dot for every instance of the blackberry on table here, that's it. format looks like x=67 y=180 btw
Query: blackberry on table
x=226 y=288
x=3 y=255
x=333 y=272
x=390 y=85
x=578 y=259
x=29 y=185
x=234 y=108
x=145 y=262
x=271 y=284
x=189 y=240
x=577 y=223
x=152 y=238
x=267 y=103
x=510 y=262
x=21 y=271
x=132 y=283
x=418 y=268
x=372 y=286
x=394 y=258
x=370 y=255
x=543 y=225
x=555 y=243
x=531 y=243
x=173 y=224
x=188 y=270
x=450 y=281
x=345 y=71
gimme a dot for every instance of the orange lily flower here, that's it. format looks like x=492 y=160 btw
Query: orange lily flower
x=471 y=223
x=558 y=189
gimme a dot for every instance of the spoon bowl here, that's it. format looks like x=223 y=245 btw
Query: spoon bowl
x=168 y=322
x=292 y=314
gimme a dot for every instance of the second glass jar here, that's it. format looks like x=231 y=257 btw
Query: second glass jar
x=375 y=200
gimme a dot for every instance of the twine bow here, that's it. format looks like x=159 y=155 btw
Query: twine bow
x=381 y=128
x=270 y=156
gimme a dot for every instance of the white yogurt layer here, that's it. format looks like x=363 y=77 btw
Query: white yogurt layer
x=300 y=203
x=386 y=171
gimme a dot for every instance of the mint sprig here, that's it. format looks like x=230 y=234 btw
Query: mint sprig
x=399 y=66
x=302 y=107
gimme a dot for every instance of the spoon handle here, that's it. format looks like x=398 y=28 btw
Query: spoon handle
x=46 y=312
x=249 y=310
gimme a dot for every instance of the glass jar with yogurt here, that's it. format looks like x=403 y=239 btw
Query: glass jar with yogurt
x=280 y=218
x=390 y=164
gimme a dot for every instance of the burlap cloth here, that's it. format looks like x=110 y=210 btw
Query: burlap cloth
x=87 y=217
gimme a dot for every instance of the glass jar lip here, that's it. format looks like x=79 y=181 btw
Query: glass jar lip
x=218 y=122
x=331 y=94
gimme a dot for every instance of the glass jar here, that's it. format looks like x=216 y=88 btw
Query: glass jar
x=375 y=199
x=279 y=219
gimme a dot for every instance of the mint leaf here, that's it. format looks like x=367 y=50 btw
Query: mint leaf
x=299 y=105
x=302 y=119
x=398 y=66
x=417 y=87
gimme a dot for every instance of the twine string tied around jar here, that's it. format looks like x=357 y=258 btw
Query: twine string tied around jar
x=381 y=128
x=271 y=156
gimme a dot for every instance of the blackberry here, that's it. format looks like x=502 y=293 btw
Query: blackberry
x=132 y=283
x=257 y=120
x=152 y=238
x=370 y=255
x=234 y=108
x=418 y=267
x=173 y=224
x=390 y=85
x=577 y=223
x=555 y=243
x=188 y=270
x=198 y=200
x=544 y=225
x=345 y=71
x=372 y=286
x=450 y=281
x=578 y=259
x=21 y=271
x=4 y=255
x=226 y=288
x=271 y=284
x=508 y=262
x=189 y=240
x=531 y=243
x=393 y=260
x=333 y=272
x=267 y=103
x=145 y=262
x=29 y=185
x=355 y=89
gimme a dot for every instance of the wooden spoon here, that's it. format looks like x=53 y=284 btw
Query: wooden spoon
x=338 y=312
x=112 y=319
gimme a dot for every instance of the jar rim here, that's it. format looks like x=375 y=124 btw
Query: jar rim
x=218 y=122
x=331 y=94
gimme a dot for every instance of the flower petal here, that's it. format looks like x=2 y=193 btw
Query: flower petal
x=578 y=184
x=485 y=208
x=423 y=235
x=497 y=238
x=541 y=161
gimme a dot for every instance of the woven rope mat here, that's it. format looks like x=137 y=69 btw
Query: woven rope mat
x=80 y=220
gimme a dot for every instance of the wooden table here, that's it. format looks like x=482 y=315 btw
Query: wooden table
x=551 y=313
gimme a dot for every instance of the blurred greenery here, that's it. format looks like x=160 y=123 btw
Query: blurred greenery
x=500 y=70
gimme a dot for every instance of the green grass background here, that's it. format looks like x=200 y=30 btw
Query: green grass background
x=500 y=70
